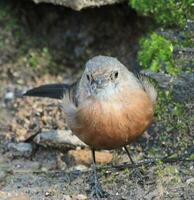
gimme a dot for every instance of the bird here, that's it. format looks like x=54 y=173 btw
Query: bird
x=108 y=107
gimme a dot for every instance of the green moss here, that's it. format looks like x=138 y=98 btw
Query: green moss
x=7 y=18
x=187 y=37
x=111 y=178
x=167 y=174
x=171 y=12
x=156 y=54
x=39 y=59
x=172 y=121
x=10 y=29
x=170 y=111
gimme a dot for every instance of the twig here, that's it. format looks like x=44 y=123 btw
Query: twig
x=151 y=161
x=146 y=162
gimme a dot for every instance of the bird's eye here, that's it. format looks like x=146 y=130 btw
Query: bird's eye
x=116 y=75
x=88 y=77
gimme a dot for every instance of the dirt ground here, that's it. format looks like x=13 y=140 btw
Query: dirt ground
x=32 y=54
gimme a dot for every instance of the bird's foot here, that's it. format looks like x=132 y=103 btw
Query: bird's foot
x=97 y=191
x=137 y=175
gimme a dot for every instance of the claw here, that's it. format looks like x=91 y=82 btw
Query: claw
x=137 y=173
x=96 y=189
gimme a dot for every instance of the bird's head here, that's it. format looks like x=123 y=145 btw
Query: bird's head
x=104 y=76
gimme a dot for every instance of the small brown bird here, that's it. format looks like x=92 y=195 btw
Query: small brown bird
x=107 y=108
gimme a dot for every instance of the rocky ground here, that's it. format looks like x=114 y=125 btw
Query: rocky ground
x=47 y=44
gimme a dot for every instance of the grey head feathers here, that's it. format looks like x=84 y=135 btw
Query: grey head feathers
x=104 y=76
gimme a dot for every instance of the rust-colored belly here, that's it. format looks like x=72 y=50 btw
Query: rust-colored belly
x=115 y=123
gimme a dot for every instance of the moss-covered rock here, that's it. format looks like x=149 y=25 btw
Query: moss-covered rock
x=79 y=4
x=156 y=54
x=171 y=12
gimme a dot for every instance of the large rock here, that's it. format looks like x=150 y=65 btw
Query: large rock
x=79 y=4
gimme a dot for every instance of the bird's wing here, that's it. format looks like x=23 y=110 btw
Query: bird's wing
x=148 y=88
x=67 y=93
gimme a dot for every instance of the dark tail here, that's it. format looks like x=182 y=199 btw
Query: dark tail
x=55 y=91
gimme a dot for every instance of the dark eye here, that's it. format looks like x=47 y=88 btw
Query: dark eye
x=116 y=74
x=88 y=77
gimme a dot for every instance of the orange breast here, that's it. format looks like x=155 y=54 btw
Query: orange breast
x=114 y=123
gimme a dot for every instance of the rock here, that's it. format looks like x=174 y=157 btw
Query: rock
x=58 y=139
x=21 y=134
x=3 y=176
x=13 y=196
x=183 y=87
x=80 y=4
x=84 y=157
x=189 y=181
x=20 y=149
x=9 y=96
x=81 y=168
x=24 y=126
x=24 y=166
x=81 y=197
x=163 y=80
x=183 y=49
x=73 y=197
x=11 y=93
x=184 y=58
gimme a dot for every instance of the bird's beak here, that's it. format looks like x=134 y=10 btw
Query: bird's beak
x=99 y=83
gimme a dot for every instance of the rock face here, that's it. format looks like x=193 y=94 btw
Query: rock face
x=80 y=4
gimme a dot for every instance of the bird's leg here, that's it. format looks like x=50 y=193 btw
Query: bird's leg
x=96 y=187
x=136 y=170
